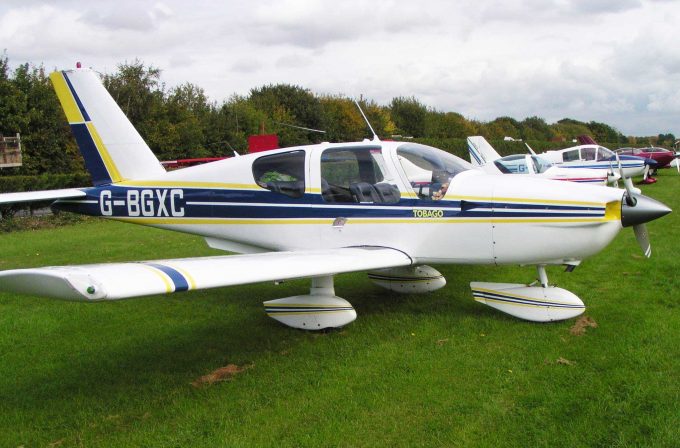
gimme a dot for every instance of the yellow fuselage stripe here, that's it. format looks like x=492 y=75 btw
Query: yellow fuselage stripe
x=188 y=184
x=351 y=221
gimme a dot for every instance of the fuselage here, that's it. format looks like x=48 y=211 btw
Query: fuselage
x=427 y=203
x=596 y=157
x=531 y=165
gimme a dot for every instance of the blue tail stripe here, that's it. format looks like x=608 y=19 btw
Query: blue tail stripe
x=86 y=117
x=93 y=160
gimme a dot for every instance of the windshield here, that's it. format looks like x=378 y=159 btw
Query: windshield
x=517 y=164
x=603 y=153
x=430 y=170
x=541 y=164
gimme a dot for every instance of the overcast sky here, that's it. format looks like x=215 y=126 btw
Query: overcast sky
x=616 y=61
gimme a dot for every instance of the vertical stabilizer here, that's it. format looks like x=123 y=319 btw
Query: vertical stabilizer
x=112 y=148
x=481 y=152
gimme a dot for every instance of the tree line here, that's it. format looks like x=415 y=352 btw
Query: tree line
x=182 y=122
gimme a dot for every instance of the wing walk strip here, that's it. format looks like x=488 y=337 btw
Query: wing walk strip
x=495 y=296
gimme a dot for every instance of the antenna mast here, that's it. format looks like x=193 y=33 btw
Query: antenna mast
x=375 y=136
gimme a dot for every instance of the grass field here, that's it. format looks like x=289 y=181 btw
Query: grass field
x=430 y=370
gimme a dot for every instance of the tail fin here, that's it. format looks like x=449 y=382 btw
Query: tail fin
x=481 y=152
x=586 y=140
x=112 y=148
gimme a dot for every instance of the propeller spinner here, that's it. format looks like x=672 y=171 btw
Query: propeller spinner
x=637 y=209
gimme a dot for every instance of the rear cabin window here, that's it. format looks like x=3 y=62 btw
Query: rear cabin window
x=282 y=173
x=356 y=175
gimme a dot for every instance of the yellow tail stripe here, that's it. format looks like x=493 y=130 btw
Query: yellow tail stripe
x=68 y=102
x=104 y=153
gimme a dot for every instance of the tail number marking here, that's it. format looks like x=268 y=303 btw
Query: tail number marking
x=156 y=203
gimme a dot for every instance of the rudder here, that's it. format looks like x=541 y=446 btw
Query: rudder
x=112 y=148
x=481 y=152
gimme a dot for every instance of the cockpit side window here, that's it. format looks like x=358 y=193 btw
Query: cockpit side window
x=588 y=153
x=282 y=173
x=603 y=153
x=356 y=175
x=568 y=156
x=429 y=170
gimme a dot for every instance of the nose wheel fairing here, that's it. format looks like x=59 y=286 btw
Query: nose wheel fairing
x=534 y=303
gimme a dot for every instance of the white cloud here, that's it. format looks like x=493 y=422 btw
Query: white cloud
x=607 y=60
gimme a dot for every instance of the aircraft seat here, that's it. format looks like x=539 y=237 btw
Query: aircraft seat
x=364 y=192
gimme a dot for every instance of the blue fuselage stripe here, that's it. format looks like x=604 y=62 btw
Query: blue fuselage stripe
x=246 y=204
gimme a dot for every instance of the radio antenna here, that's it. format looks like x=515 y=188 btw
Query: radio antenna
x=299 y=127
x=375 y=136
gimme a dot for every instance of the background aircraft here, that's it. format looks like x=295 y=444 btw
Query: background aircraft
x=597 y=157
x=662 y=156
x=316 y=211
x=482 y=154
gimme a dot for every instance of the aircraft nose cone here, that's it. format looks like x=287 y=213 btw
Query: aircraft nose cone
x=644 y=210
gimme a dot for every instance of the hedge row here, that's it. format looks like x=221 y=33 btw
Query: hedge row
x=11 y=184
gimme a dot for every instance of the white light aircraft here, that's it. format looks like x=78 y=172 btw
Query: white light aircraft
x=315 y=211
x=482 y=154
x=597 y=157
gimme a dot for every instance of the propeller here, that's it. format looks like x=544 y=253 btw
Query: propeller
x=637 y=209
x=611 y=177
x=532 y=151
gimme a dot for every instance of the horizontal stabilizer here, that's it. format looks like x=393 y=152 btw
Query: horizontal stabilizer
x=113 y=281
x=45 y=195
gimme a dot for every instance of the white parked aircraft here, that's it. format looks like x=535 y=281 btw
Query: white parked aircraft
x=482 y=154
x=321 y=210
x=597 y=157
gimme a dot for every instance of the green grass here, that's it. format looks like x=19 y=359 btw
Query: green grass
x=430 y=370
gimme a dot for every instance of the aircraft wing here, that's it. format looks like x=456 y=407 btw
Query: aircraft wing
x=113 y=281
x=45 y=195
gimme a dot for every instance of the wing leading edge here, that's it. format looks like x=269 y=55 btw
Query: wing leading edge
x=112 y=281
x=44 y=195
